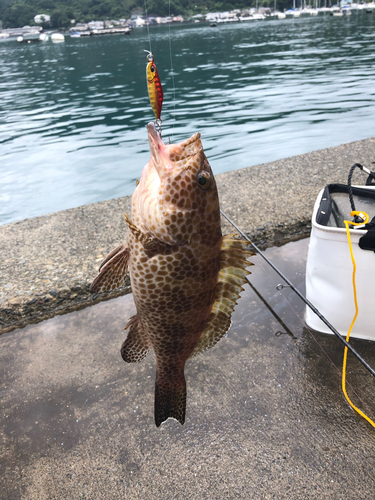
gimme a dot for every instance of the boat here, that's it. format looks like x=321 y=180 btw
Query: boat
x=276 y=13
x=329 y=268
x=293 y=12
x=43 y=37
x=75 y=34
x=325 y=10
x=258 y=16
x=336 y=12
x=246 y=18
x=57 y=37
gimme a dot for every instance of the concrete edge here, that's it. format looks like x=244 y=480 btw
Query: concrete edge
x=272 y=203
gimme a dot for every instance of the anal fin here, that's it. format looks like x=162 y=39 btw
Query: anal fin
x=112 y=271
x=136 y=346
x=232 y=275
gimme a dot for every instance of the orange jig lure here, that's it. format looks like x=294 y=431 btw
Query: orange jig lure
x=155 y=90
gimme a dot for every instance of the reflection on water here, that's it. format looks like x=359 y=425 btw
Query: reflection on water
x=73 y=115
x=265 y=414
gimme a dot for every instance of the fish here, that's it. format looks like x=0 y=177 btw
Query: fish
x=186 y=277
x=155 y=90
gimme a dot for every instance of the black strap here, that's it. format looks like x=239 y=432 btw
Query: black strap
x=356 y=219
x=367 y=242
x=370 y=180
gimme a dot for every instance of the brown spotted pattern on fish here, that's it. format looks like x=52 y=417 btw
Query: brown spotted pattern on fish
x=186 y=277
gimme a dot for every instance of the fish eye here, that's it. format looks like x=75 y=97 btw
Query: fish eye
x=152 y=68
x=204 y=180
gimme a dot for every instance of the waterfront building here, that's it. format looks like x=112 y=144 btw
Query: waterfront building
x=96 y=25
x=42 y=18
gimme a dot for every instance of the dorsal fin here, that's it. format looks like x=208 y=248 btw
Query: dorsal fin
x=112 y=271
x=232 y=275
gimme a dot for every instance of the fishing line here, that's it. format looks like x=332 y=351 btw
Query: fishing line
x=276 y=316
x=148 y=25
x=363 y=217
x=302 y=297
x=172 y=72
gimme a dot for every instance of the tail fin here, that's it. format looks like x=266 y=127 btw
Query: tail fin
x=170 y=398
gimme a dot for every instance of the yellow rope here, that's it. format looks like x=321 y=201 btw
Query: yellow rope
x=346 y=222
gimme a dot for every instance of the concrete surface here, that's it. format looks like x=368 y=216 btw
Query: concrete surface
x=266 y=418
x=47 y=263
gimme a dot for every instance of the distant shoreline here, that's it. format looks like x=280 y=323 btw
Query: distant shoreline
x=211 y=19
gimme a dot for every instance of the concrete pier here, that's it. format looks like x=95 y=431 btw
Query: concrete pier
x=266 y=418
x=47 y=263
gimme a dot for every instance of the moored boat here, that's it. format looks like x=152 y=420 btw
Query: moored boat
x=57 y=37
x=336 y=12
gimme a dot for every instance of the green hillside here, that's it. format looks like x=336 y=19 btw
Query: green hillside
x=18 y=13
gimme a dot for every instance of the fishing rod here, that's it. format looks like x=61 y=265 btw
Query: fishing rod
x=301 y=296
x=276 y=316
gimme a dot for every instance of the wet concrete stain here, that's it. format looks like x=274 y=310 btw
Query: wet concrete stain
x=265 y=415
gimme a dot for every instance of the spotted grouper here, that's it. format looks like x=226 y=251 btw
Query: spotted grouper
x=186 y=277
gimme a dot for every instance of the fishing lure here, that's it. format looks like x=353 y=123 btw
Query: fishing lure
x=155 y=90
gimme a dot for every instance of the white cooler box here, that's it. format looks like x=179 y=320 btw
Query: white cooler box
x=329 y=269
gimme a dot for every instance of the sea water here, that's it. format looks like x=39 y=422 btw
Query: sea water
x=73 y=115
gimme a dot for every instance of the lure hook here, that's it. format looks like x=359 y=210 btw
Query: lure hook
x=150 y=57
x=281 y=287
x=158 y=123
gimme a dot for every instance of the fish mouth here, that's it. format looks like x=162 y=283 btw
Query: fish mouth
x=154 y=134
x=171 y=152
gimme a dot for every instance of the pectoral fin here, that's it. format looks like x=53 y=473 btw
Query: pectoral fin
x=232 y=275
x=148 y=241
x=136 y=346
x=112 y=271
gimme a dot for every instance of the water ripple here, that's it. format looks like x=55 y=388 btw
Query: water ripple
x=73 y=115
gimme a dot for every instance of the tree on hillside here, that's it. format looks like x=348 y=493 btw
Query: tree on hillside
x=18 y=15
x=59 y=19
x=103 y=9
